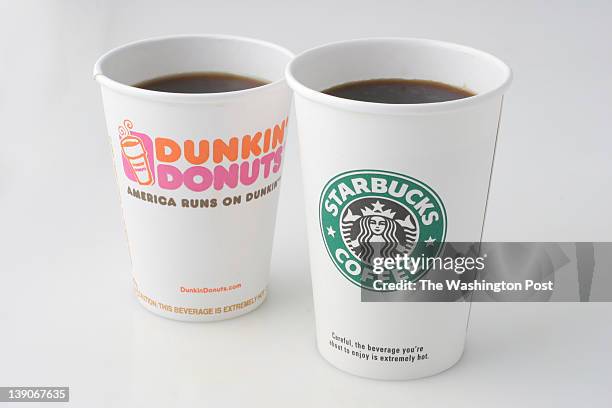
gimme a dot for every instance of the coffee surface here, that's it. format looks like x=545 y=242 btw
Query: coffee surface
x=200 y=82
x=395 y=90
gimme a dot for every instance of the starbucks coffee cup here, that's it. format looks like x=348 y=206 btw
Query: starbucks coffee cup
x=198 y=174
x=422 y=171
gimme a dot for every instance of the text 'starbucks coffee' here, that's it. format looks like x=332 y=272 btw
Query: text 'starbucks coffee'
x=198 y=150
x=369 y=214
x=396 y=159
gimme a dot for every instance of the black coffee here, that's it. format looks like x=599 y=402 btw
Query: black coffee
x=395 y=90
x=200 y=82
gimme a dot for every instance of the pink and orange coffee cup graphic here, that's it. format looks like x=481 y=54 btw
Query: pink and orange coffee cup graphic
x=137 y=155
x=201 y=164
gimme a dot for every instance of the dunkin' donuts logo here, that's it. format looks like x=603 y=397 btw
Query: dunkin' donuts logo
x=201 y=164
x=370 y=214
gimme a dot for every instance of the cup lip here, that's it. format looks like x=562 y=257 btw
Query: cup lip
x=397 y=109
x=104 y=80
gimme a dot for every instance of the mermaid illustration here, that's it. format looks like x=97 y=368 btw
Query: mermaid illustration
x=376 y=233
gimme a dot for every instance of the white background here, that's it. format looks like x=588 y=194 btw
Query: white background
x=67 y=314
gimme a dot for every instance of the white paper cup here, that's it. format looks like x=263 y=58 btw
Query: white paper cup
x=198 y=174
x=356 y=159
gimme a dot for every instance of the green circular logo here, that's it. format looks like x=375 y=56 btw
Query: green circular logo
x=368 y=216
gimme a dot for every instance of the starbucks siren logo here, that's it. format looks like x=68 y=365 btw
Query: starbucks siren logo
x=370 y=214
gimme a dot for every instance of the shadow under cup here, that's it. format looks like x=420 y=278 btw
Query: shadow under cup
x=198 y=174
x=423 y=169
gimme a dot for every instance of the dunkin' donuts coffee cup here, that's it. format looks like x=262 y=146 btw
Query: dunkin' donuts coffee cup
x=198 y=173
x=388 y=179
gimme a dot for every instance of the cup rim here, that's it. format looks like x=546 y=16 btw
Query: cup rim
x=397 y=109
x=104 y=80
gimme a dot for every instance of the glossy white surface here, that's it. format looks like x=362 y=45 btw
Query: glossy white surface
x=67 y=314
